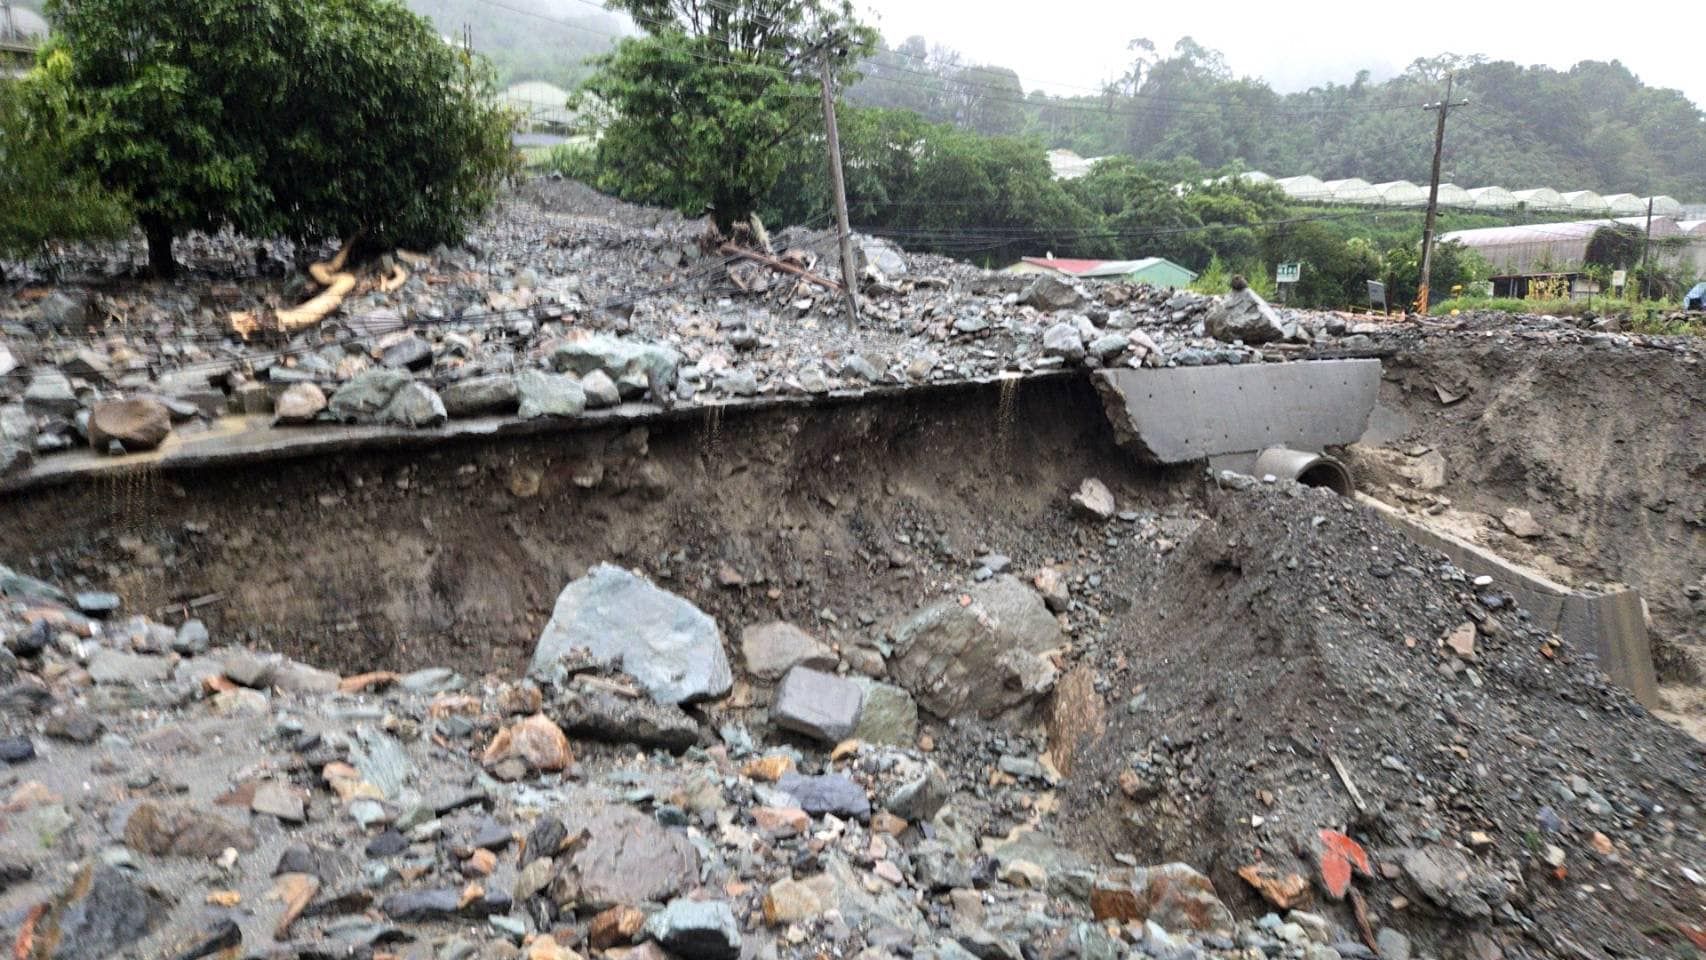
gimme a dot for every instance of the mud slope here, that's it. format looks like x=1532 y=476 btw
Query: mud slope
x=1606 y=448
x=456 y=556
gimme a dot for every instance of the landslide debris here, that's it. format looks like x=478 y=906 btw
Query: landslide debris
x=1305 y=675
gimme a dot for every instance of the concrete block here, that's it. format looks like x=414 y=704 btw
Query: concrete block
x=1181 y=414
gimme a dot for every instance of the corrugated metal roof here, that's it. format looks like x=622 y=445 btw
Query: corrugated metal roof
x=1074 y=267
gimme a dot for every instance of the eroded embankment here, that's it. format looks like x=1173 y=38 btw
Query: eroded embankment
x=454 y=555
x=1606 y=448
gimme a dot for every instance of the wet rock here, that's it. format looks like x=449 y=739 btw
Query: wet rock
x=109 y=666
x=627 y=858
x=1050 y=294
x=183 y=832
x=830 y=793
x=696 y=930
x=137 y=424
x=415 y=405
x=601 y=391
x=1095 y=499
x=279 y=800
x=674 y=650
x=618 y=358
x=423 y=905
x=409 y=353
x=595 y=715
x=14 y=750
x=481 y=396
x=299 y=403
x=191 y=639
x=66 y=311
x=109 y=910
x=536 y=741
x=1243 y=315
x=1173 y=895
x=820 y=705
x=549 y=395
x=889 y=716
x=980 y=658
x=1449 y=879
x=49 y=394
x=1063 y=340
x=918 y=797
x=772 y=649
x=364 y=397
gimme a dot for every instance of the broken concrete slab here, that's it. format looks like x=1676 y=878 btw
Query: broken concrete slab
x=1181 y=414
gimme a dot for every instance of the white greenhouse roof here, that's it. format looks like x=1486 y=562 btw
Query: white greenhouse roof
x=1492 y=198
x=1664 y=206
x=1452 y=195
x=1351 y=190
x=1541 y=198
x=1302 y=188
x=1401 y=193
x=1585 y=201
x=1625 y=204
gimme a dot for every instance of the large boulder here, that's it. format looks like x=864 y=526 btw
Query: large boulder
x=982 y=657
x=772 y=649
x=1051 y=294
x=626 y=858
x=820 y=705
x=670 y=646
x=138 y=424
x=367 y=394
x=549 y=395
x=1173 y=895
x=1243 y=315
x=696 y=930
x=477 y=396
x=416 y=405
x=618 y=358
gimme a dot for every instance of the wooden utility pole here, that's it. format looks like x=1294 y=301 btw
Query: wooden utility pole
x=1646 y=250
x=1444 y=107
x=849 y=277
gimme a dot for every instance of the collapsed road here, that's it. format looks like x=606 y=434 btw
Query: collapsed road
x=917 y=648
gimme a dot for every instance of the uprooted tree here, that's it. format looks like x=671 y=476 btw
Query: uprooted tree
x=309 y=118
x=700 y=110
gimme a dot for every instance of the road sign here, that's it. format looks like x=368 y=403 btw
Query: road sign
x=1377 y=295
x=1288 y=272
x=1619 y=278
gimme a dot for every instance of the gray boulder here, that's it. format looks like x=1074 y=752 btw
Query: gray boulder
x=601 y=391
x=889 y=716
x=772 y=649
x=618 y=358
x=1051 y=294
x=820 y=705
x=1063 y=340
x=479 y=396
x=416 y=405
x=299 y=403
x=108 y=910
x=549 y=395
x=670 y=646
x=981 y=658
x=49 y=394
x=368 y=394
x=696 y=930
x=1243 y=315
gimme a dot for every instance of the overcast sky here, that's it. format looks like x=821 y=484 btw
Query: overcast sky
x=1060 y=45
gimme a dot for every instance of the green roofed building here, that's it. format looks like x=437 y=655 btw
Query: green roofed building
x=1155 y=271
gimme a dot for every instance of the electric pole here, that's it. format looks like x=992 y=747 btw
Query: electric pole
x=1646 y=249
x=849 y=278
x=1443 y=107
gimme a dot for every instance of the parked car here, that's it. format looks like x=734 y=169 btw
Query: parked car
x=1696 y=299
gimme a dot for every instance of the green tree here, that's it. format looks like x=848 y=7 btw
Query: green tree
x=312 y=117
x=47 y=198
x=704 y=105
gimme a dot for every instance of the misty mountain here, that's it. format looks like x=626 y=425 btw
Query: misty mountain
x=547 y=40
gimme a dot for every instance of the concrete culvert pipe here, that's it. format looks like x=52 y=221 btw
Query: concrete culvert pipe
x=1309 y=469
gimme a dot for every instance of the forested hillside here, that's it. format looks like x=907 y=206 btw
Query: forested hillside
x=548 y=40
x=1592 y=127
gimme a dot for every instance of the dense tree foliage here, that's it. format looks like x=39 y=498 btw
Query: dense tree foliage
x=1592 y=127
x=702 y=111
x=313 y=118
x=47 y=198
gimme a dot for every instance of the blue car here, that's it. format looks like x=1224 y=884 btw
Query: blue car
x=1696 y=299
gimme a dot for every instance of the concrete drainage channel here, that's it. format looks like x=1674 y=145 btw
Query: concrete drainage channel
x=909 y=567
